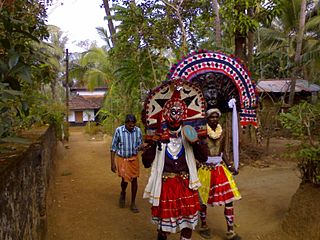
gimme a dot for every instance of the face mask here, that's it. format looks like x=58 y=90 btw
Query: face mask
x=175 y=113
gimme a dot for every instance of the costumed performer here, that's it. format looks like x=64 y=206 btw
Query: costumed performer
x=173 y=183
x=216 y=176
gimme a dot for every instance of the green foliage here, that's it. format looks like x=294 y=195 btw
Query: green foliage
x=244 y=16
x=276 y=43
x=108 y=122
x=26 y=67
x=144 y=24
x=92 y=128
x=117 y=105
x=9 y=106
x=148 y=36
x=92 y=69
x=45 y=111
x=20 y=26
x=309 y=164
x=303 y=122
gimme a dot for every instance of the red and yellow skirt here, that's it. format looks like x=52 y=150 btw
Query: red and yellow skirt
x=179 y=205
x=217 y=185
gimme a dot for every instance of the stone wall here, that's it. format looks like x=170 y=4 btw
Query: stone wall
x=25 y=171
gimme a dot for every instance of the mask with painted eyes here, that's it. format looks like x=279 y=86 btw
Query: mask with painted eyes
x=175 y=112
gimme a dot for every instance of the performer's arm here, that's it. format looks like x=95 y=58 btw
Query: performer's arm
x=149 y=153
x=225 y=158
x=201 y=150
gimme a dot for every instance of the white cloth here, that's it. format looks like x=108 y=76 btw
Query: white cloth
x=235 y=133
x=194 y=182
x=153 y=188
x=214 y=160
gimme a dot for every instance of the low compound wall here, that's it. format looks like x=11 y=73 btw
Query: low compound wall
x=25 y=171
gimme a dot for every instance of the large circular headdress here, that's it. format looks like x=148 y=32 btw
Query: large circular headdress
x=177 y=91
x=194 y=66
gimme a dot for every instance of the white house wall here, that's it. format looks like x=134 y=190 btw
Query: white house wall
x=88 y=93
x=87 y=115
x=72 y=116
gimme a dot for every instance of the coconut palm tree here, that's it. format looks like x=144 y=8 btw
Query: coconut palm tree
x=54 y=48
x=111 y=28
x=278 y=42
x=92 y=69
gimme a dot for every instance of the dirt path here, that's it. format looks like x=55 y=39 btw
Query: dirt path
x=84 y=196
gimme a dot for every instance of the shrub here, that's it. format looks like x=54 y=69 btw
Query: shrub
x=302 y=120
x=92 y=128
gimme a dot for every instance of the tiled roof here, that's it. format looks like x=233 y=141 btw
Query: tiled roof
x=283 y=85
x=82 y=103
x=96 y=99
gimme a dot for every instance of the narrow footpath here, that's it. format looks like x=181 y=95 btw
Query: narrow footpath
x=83 y=199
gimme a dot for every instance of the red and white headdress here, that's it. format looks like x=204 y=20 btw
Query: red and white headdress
x=177 y=92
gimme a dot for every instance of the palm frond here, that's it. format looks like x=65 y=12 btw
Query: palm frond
x=104 y=35
x=313 y=24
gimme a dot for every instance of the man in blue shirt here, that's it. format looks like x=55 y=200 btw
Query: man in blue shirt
x=126 y=142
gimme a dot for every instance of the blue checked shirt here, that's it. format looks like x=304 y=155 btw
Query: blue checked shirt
x=125 y=143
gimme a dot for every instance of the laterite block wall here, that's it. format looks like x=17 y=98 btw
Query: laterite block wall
x=25 y=171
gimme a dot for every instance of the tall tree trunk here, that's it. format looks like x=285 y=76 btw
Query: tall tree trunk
x=53 y=86
x=240 y=46
x=217 y=23
x=240 y=38
x=297 y=57
x=250 y=47
x=111 y=28
x=152 y=67
x=250 y=39
x=177 y=8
